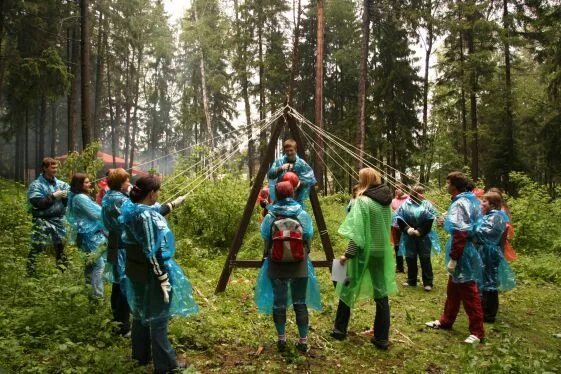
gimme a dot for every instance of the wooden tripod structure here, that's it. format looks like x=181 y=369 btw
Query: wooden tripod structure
x=231 y=261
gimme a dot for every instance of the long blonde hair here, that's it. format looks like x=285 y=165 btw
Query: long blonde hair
x=367 y=177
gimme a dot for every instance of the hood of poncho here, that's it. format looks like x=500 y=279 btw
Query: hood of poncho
x=286 y=207
x=381 y=194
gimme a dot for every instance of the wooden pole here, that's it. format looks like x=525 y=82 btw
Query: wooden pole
x=249 y=206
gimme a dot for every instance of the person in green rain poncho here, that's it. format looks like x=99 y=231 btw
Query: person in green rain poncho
x=369 y=257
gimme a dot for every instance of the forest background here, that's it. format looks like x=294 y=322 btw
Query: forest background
x=484 y=98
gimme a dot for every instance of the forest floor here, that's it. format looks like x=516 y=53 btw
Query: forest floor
x=48 y=324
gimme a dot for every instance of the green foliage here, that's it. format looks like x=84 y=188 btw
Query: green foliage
x=534 y=217
x=212 y=212
x=82 y=162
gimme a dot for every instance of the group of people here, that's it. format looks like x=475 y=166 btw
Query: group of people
x=128 y=222
x=129 y=231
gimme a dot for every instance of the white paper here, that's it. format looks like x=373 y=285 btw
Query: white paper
x=338 y=271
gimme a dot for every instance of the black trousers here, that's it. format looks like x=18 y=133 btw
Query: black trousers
x=37 y=249
x=490 y=304
x=381 y=319
x=413 y=270
x=120 y=308
x=398 y=261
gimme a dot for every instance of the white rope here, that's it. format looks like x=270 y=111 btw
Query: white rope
x=331 y=137
x=202 y=177
x=309 y=123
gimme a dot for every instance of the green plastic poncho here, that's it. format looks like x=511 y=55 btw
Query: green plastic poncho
x=371 y=273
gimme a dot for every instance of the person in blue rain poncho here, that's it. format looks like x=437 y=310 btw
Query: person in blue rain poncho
x=281 y=283
x=463 y=262
x=291 y=162
x=155 y=286
x=415 y=218
x=87 y=230
x=118 y=181
x=47 y=200
x=497 y=274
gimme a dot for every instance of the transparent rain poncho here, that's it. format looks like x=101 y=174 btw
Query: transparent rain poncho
x=146 y=299
x=415 y=214
x=371 y=273
x=497 y=274
x=264 y=287
x=462 y=215
x=304 y=172
x=110 y=212
x=84 y=216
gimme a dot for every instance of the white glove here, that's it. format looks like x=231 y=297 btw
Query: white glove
x=451 y=266
x=411 y=231
x=60 y=194
x=177 y=202
x=165 y=286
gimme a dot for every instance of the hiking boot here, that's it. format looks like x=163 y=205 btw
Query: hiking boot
x=281 y=345
x=302 y=347
x=338 y=335
x=380 y=343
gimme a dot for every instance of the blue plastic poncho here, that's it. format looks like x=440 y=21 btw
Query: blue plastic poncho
x=110 y=212
x=304 y=172
x=84 y=216
x=462 y=215
x=264 y=288
x=497 y=274
x=48 y=224
x=414 y=214
x=144 y=226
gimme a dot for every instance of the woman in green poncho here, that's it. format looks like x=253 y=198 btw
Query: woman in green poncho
x=371 y=263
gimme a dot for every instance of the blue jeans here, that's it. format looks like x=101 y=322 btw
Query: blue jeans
x=298 y=288
x=151 y=342
x=94 y=276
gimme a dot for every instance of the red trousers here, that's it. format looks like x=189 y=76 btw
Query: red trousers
x=456 y=293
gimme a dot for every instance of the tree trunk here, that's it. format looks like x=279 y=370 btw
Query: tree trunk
x=295 y=54
x=361 y=125
x=135 y=114
x=128 y=104
x=85 y=65
x=53 y=129
x=244 y=82
x=509 y=123
x=473 y=106
x=318 y=164
x=428 y=52
x=206 y=107
x=20 y=137
x=73 y=51
x=263 y=134
x=463 y=92
x=99 y=77
x=41 y=131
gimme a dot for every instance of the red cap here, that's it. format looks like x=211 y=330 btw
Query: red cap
x=292 y=178
x=284 y=190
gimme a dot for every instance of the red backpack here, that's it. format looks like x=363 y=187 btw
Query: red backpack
x=288 y=240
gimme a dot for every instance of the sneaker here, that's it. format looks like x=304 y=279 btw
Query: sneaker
x=302 y=347
x=558 y=336
x=380 y=344
x=433 y=324
x=472 y=339
x=407 y=284
x=281 y=345
x=428 y=288
x=338 y=335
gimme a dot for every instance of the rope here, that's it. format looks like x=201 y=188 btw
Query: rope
x=331 y=137
x=213 y=168
x=275 y=115
x=309 y=123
